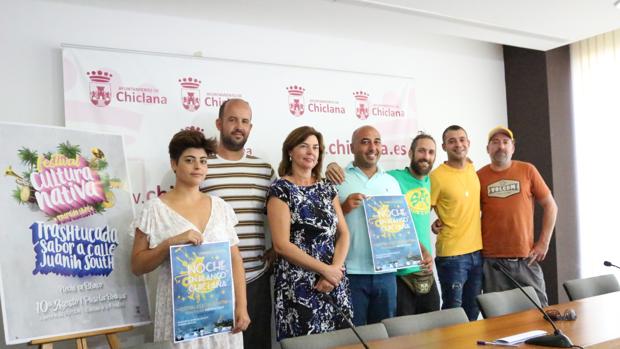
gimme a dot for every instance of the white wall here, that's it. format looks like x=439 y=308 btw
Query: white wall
x=458 y=81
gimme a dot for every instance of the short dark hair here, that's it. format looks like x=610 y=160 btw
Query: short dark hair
x=451 y=128
x=185 y=139
x=220 y=114
x=421 y=135
x=296 y=137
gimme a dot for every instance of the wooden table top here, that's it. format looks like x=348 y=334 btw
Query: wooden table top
x=597 y=326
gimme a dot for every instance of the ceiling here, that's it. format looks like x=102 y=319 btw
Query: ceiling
x=535 y=24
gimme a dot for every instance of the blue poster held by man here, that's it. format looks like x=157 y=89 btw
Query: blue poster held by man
x=393 y=238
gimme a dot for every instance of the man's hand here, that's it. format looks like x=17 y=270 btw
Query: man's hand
x=269 y=257
x=334 y=173
x=427 y=260
x=437 y=226
x=352 y=202
x=538 y=252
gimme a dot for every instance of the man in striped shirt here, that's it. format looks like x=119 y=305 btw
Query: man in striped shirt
x=242 y=181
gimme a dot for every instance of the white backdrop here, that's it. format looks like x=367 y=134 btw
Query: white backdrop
x=149 y=97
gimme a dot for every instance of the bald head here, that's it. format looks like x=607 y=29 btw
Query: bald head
x=234 y=103
x=363 y=130
x=366 y=148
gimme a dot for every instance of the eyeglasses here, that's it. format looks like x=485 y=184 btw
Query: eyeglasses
x=555 y=315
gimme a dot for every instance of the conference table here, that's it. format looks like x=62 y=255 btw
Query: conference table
x=597 y=326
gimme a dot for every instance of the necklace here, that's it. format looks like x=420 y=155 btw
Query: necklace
x=461 y=171
x=463 y=185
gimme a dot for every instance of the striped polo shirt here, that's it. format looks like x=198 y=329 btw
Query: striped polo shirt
x=243 y=184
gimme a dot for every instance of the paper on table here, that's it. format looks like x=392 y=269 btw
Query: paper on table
x=521 y=337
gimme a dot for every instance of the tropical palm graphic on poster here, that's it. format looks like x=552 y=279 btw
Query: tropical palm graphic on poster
x=65 y=258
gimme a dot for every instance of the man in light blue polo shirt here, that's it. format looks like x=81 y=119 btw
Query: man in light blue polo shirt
x=373 y=293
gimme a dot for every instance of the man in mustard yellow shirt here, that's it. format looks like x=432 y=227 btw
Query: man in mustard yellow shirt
x=455 y=195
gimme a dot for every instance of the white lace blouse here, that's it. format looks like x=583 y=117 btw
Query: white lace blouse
x=160 y=222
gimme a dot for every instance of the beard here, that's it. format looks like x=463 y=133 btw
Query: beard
x=231 y=144
x=417 y=169
x=500 y=157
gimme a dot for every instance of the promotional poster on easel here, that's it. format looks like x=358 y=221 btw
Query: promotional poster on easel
x=65 y=252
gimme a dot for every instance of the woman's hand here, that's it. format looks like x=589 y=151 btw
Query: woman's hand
x=189 y=237
x=323 y=285
x=242 y=319
x=333 y=274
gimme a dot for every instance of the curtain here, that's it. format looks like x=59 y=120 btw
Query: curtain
x=595 y=65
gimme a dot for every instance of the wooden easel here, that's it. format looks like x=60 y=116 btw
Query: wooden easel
x=80 y=338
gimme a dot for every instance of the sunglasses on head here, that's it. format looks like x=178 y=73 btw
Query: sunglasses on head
x=555 y=315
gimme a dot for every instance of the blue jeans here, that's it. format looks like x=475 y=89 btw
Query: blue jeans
x=461 y=281
x=373 y=297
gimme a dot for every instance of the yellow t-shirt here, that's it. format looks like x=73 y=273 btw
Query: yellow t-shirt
x=455 y=194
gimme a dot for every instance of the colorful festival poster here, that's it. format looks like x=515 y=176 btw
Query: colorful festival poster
x=202 y=290
x=393 y=238
x=65 y=256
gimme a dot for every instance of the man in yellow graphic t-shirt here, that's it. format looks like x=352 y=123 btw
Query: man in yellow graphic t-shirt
x=455 y=195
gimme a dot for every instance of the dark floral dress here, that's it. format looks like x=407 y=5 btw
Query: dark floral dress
x=299 y=308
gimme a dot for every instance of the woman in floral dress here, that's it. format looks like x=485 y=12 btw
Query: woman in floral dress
x=311 y=238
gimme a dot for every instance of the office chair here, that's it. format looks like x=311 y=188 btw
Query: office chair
x=335 y=338
x=403 y=325
x=494 y=304
x=588 y=287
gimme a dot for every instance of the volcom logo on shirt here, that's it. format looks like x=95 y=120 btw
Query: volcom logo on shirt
x=503 y=188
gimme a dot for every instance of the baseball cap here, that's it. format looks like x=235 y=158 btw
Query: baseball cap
x=501 y=129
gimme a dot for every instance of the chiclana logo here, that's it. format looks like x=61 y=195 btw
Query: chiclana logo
x=296 y=100
x=361 y=104
x=364 y=109
x=190 y=93
x=100 y=89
